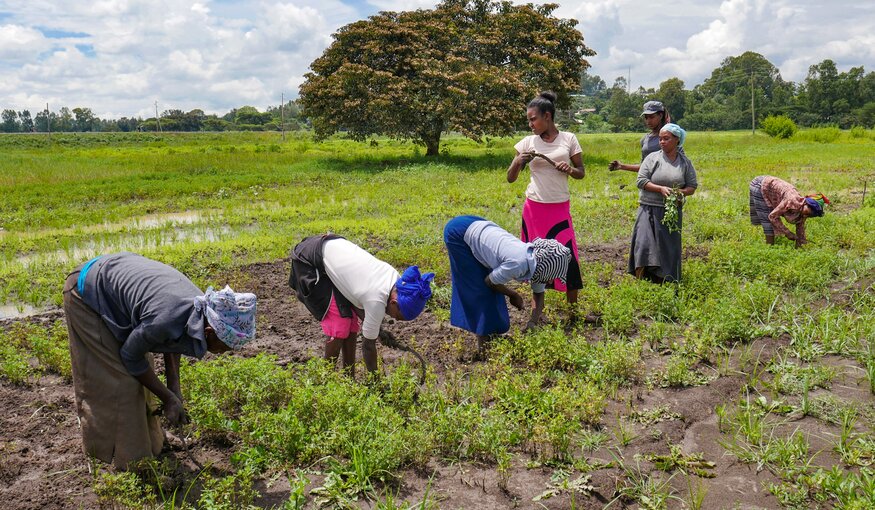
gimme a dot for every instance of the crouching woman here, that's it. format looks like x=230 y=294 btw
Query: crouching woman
x=120 y=308
x=349 y=290
x=483 y=259
x=772 y=199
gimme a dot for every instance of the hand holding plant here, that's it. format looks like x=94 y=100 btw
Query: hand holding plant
x=674 y=201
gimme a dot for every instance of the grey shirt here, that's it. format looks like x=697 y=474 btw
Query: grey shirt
x=649 y=144
x=148 y=306
x=656 y=168
x=507 y=256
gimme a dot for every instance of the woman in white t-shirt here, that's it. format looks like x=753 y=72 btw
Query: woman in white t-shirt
x=547 y=210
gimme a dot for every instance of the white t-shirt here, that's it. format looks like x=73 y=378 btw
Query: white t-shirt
x=548 y=185
x=363 y=279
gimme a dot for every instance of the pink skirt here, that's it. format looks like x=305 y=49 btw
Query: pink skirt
x=335 y=325
x=553 y=221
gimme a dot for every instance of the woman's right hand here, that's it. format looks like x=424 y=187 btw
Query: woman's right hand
x=516 y=299
x=614 y=165
x=174 y=412
x=524 y=158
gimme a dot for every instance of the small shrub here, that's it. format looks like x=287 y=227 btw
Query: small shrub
x=779 y=126
x=122 y=490
x=824 y=134
x=228 y=493
x=859 y=132
x=14 y=364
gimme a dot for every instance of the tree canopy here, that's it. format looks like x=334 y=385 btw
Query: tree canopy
x=467 y=65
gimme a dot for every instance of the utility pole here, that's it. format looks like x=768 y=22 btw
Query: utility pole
x=629 y=81
x=282 y=117
x=753 y=118
x=157 y=119
x=49 y=122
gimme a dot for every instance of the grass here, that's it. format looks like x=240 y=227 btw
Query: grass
x=211 y=204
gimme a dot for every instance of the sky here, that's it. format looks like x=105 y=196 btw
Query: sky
x=120 y=57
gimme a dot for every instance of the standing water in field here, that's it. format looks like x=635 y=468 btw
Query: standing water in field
x=134 y=234
x=133 y=242
x=17 y=311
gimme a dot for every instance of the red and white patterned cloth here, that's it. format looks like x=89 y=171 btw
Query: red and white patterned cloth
x=784 y=200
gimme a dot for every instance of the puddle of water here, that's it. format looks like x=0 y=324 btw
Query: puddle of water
x=157 y=220
x=135 y=242
x=140 y=222
x=18 y=311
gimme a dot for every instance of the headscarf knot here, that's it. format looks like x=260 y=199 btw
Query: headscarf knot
x=230 y=314
x=816 y=202
x=414 y=290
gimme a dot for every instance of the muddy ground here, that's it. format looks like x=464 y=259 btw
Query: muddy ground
x=42 y=465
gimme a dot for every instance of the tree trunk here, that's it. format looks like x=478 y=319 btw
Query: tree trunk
x=432 y=143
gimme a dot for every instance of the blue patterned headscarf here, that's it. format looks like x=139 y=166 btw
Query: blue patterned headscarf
x=413 y=290
x=231 y=314
x=677 y=131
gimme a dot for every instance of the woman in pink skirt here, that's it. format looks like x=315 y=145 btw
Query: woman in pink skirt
x=547 y=210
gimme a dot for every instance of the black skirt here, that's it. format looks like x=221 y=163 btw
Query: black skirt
x=653 y=246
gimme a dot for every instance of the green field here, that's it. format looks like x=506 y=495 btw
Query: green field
x=776 y=344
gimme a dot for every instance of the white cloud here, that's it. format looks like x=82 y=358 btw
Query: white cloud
x=599 y=21
x=20 y=44
x=402 y=5
x=119 y=56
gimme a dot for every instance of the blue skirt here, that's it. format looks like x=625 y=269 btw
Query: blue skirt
x=474 y=307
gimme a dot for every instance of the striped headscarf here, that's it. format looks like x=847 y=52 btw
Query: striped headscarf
x=551 y=260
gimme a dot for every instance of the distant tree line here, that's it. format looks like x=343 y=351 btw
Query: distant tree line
x=723 y=100
x=245 y=118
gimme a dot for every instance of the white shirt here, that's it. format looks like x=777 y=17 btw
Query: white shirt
x=548 y=185
x=363 y=279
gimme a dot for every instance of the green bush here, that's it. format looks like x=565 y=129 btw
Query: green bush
x=779 y=126
x=859 y=132
x=824 y=134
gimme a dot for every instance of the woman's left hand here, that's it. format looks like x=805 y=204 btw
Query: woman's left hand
x=564 y=167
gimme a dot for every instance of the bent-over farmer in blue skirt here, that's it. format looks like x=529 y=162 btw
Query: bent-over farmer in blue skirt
x=120 y=308
x=483 y=259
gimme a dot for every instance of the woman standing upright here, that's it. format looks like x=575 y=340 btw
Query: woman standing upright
x=547 y=210
x=656 y=247
x=655 y=116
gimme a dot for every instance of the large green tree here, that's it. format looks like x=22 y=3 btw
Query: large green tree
x=729 y=89
x=830 y=96
x=672 y=94
x=466 y=65
x=10 y=122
